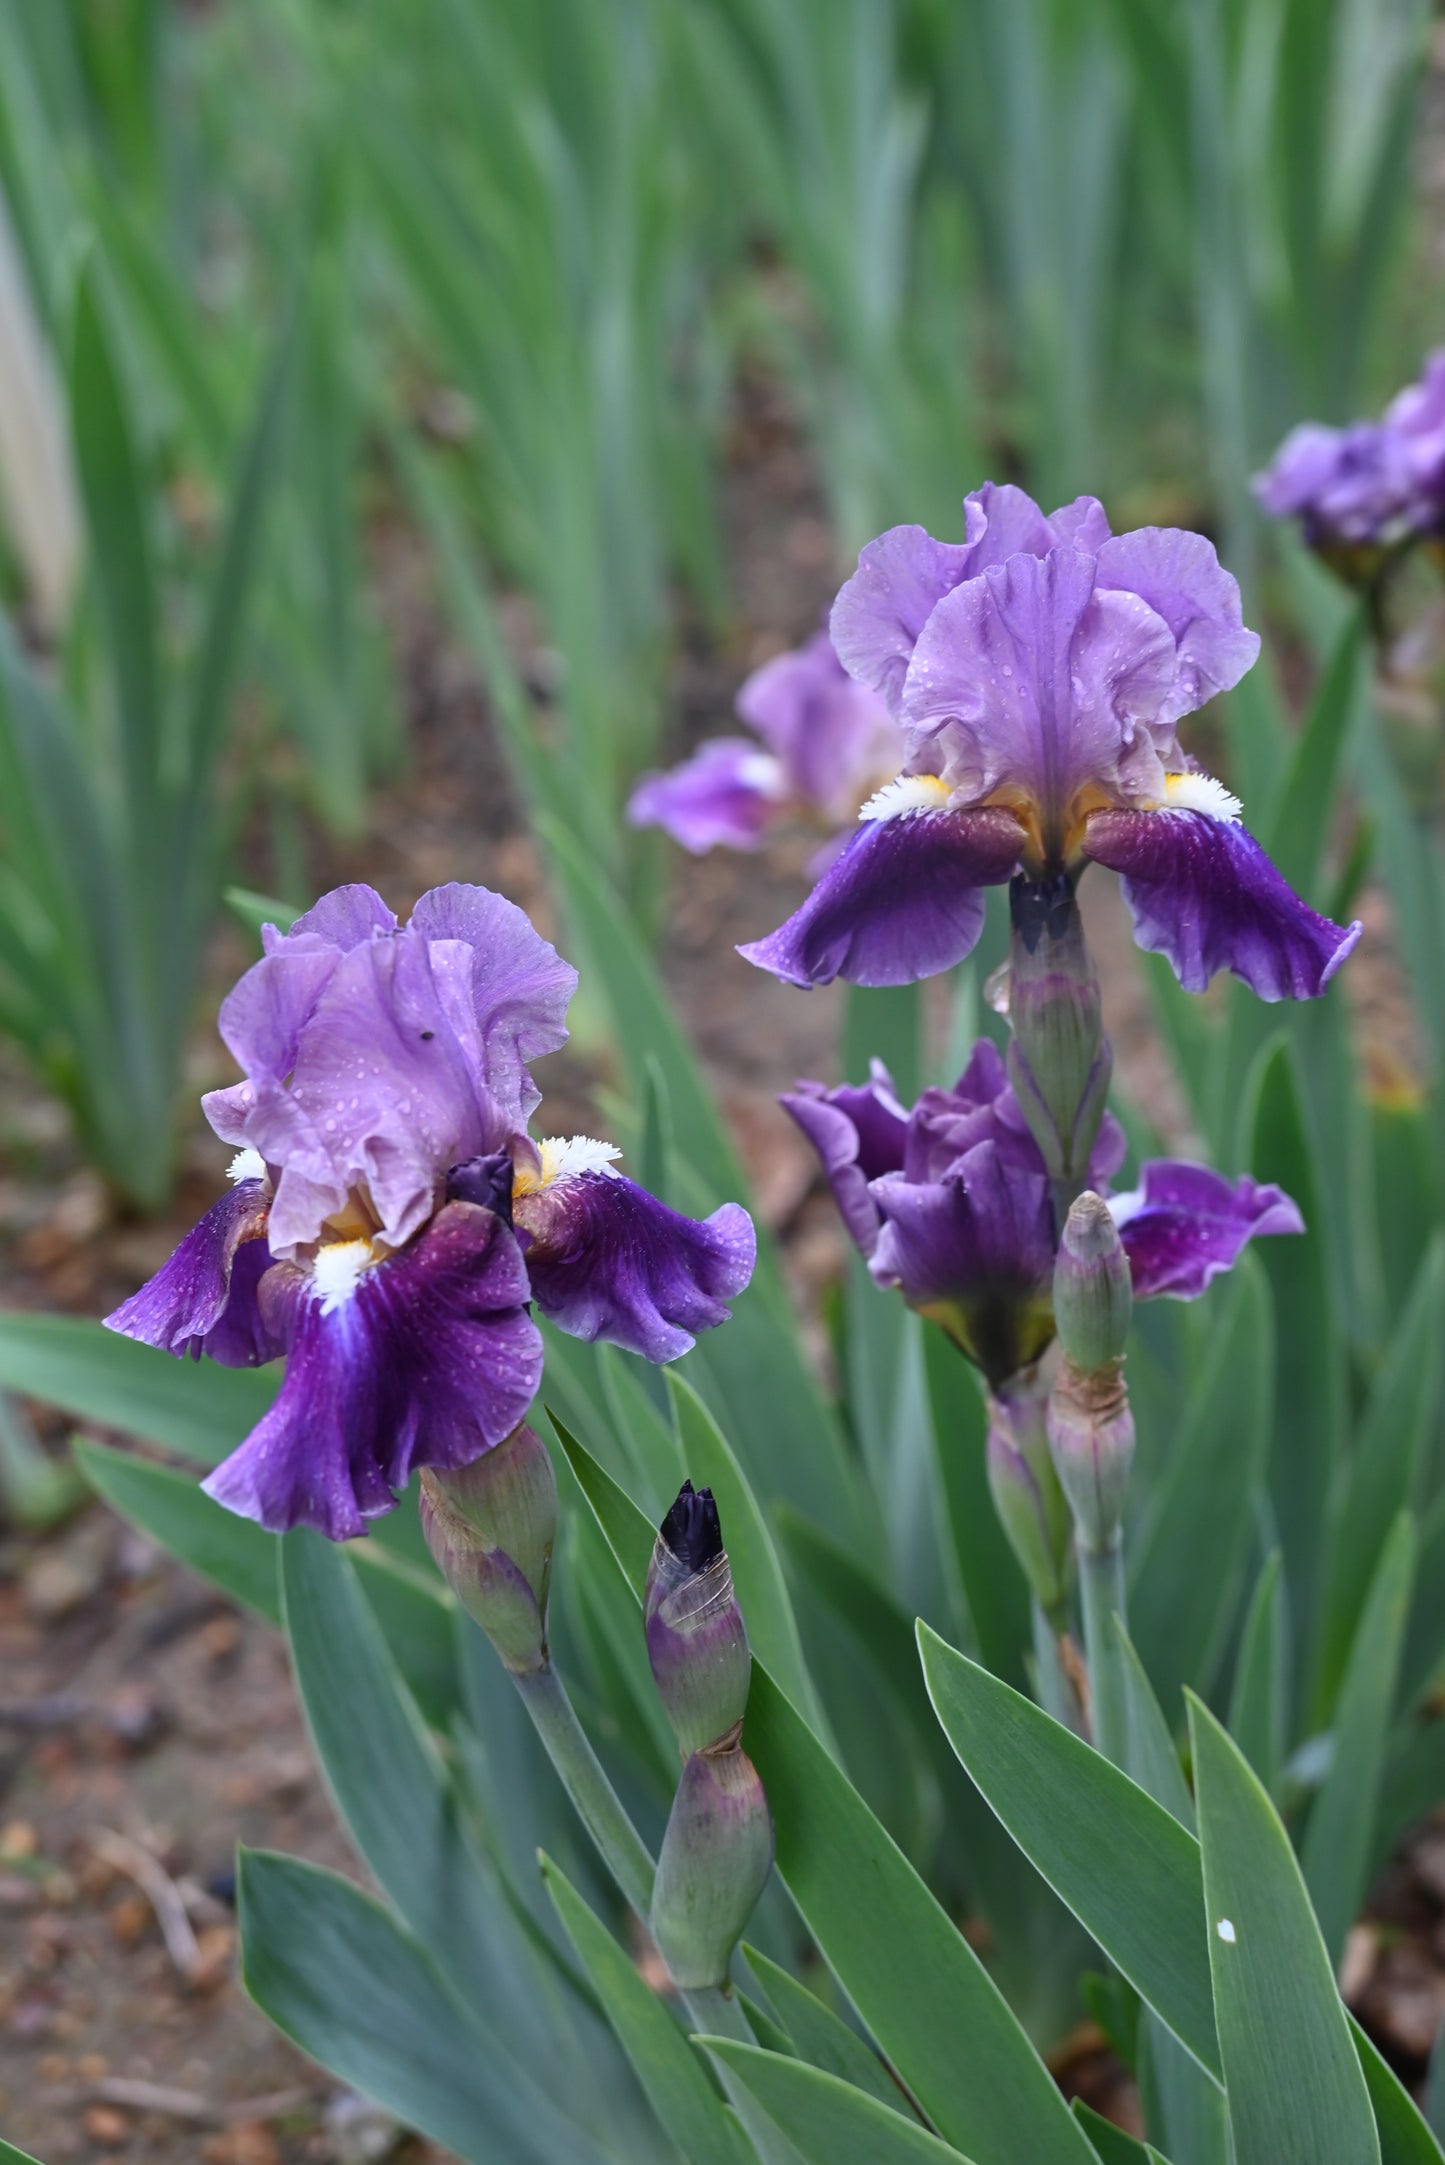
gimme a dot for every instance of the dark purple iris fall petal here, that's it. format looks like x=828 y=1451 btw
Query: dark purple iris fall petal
x=431 y=1360
x=1185 y=1224
x=204 y=1299
x=904 y=900
x=608 y=1260
x=1204 y=893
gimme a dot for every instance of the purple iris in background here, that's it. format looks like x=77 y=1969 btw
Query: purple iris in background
x=950 y=1203
x=827 y=742
x=1037 y=671
x=1365 y=489
x=391 y=1218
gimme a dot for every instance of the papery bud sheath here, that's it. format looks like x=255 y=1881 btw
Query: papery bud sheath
x=716 y=1857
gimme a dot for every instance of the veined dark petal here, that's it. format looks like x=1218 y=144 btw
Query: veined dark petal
x=903 y=901
x=1204 y=893
x=204 y=1299
x=430 y=1361
x=1184 y=1224
x=608 y=1260
x=859 y=1133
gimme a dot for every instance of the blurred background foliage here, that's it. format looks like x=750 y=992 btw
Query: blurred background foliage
x=495 y=270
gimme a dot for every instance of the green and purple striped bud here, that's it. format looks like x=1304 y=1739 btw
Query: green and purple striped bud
x=696 y=1639
x=716 y=1857
x=1093 y=1289
x=491 y=1527
x=718 y=1848
x=1090 y=1426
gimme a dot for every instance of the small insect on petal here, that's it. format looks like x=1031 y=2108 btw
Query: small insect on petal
x=1226 y=1931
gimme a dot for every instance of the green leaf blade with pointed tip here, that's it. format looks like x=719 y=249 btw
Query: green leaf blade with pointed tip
x=914 y=1980
x=665 y=2063
x=335 y=1971
x=1077 y=1818
x=1293 y=2082
x=1339 y=1840
x=828 y=2121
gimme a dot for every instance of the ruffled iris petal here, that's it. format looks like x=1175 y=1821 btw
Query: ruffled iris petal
x=431 y=1361
x=517 y=986
x=1181 y=579
x=1185 y=1224
x=832 y=735
x=975 y=1252
x=859 y=1133
x=608 y=1260
x=203 y=1300
x=727 y=794
x=901 y=902
x=1204 y=893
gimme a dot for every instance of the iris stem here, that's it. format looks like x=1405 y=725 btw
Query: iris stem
x=715 y=2013
x=1101 y=1588
x=598 y=1806
x=1057 y=1690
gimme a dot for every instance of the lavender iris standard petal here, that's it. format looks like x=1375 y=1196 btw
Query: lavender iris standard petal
x=379 y=1057
x=728 y=793
x=832 y=735
x=203 y=1300
x=608 y=1260
x=427 y=1359
x=1185 y=1224
x=1203 y=892
x=903 y=901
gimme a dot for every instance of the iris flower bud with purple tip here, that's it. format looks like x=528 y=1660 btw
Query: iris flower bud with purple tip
x=718 y=1848
x=696 y=1639
x=1091 y=1428
x=491 y=1527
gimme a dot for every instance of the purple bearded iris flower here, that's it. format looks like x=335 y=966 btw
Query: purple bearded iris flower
x=1361 y=491
x=1037 y=671
x=392 y=1220
x=827 y=744
x=951 y=1203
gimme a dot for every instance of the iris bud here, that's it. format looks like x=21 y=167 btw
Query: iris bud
x=491 y=1527
x=1027 y=1496
x=696 y=1640
x=716 y=1857
x=1093 y=1292
x=1059 y=1060
x=1091 y=1437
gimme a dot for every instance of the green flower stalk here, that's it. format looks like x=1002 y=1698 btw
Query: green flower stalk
x=491 y=1527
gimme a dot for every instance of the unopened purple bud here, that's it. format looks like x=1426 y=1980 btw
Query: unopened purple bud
x=1091 y=1437
x=716 y=1857
x=1059 y=1059
x=696 y=1640
x=491 y=1527
x=1027 y=1496
x=1093 y=1292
